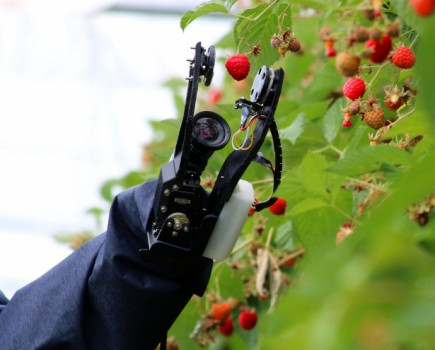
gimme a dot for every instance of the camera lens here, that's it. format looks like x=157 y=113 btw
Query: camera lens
x=210 y=130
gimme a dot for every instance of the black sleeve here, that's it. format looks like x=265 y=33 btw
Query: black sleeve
x=104 y=295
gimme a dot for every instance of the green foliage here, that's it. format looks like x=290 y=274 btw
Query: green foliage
x=376 y=289
x=256 y=26
x=373 y=191
x=204 y=8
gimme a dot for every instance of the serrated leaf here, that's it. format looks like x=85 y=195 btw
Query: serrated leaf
x=245 y=20
x=256 y=26
x=317 y=228
x=307 y=205
x=369 y=158
x=295 y=129
x=284 y=238
x=311 y=137
x=200 y=10
x=332 y=121
x=311 y=111
x=359 y=135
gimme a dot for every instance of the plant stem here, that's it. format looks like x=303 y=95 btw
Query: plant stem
x=258 y=182
x=383 y=131
x=292 y=255
x=323 y=149
x=242 y=245
x=269 y=238
x=241 y=17
x=265 y=10
x=283 y=13
x=414 y=41
x=252 y=20
x=377 y=73
x=333 y=206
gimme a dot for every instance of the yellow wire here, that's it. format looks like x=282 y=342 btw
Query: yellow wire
x=252 y=138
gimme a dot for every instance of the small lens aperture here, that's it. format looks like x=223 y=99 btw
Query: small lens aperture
x=207 y=129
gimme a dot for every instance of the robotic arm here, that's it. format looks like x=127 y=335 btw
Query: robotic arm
x=125 y=288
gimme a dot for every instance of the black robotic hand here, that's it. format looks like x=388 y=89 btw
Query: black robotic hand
x=186 y=220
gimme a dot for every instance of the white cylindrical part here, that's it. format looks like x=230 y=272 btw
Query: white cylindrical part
x=230 y=222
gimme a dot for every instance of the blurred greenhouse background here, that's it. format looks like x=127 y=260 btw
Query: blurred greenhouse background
x=78 y=82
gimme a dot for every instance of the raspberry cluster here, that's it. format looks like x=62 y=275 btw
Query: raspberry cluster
x=363 y=51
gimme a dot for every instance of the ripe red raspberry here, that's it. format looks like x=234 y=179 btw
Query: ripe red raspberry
x=238 y=66
x=248 y=320
x=354 y=88
x=221 y=311
x=278 y=208
x=423 y=8
x=227 y=328
x=330 y=53
x=403 y=58
x=347 y=123
x=394 y=106
x=329 y=46
x=380 y=49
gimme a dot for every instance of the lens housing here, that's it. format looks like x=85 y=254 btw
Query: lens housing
x=210 y=131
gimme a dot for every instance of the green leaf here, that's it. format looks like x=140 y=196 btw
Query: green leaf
x=229 y=283
x=425 y=65
x=307 y=205
x=256 y=26
x=369 y=158
x=314 y=4
x=295 y=129
x=313 y=110
x=202 y=9
x=332 y=121
x=310 y=138
x=284 y=237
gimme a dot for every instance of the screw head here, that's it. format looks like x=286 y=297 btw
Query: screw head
x=163 y=209
x=177 y=225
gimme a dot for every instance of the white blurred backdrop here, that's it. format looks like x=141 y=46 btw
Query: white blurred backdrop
x=77 y=86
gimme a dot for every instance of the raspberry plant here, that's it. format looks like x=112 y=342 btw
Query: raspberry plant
x=350 y=262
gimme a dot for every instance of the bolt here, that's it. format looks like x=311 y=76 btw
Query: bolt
x=177 y=224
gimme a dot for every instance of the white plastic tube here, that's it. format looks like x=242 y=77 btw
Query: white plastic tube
x=230 y=222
